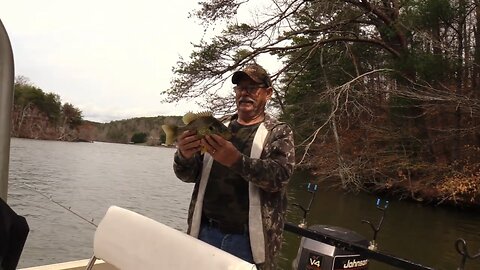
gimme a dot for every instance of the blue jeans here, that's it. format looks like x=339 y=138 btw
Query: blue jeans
x=235 y=244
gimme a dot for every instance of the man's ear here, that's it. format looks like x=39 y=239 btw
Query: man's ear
x=269 y=92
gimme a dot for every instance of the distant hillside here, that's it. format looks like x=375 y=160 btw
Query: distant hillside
x=121 y=131
x=40 y=115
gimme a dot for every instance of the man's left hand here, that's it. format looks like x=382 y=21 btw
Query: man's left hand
x=223 y=151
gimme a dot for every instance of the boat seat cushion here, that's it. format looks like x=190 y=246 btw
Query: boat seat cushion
x=130 y=241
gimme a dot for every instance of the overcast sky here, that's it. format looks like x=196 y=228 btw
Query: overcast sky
x=109 y=58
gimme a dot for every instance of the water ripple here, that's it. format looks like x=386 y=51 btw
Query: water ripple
x=88 y=178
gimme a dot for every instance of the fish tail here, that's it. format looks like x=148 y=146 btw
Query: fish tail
x=170 y=133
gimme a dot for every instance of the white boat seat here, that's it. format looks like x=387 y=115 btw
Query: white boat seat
x=130 y=241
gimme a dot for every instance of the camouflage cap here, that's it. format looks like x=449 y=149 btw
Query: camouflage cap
x=254 y=72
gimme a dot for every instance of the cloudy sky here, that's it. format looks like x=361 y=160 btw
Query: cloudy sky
x=110 y=58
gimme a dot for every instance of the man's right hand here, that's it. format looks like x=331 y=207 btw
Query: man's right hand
x=188 y=144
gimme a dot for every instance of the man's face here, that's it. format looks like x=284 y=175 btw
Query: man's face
x=251 y=97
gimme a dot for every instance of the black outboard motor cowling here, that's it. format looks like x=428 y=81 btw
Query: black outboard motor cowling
x=315 y=255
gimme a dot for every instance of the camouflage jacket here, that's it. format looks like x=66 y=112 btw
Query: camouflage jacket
x=270 y=174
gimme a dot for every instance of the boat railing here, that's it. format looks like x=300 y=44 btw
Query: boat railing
x=6 y=101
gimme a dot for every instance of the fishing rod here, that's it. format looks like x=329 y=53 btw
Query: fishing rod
x=69 y=209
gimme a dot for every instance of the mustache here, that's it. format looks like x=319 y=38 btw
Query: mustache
x=246 y=99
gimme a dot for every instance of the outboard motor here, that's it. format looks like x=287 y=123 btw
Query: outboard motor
x=315 y=255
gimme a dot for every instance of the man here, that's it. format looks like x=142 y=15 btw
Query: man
x=239 y=199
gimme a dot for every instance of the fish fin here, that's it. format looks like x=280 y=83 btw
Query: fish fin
x=203 y=149
x=170 y=133
x=190 y=116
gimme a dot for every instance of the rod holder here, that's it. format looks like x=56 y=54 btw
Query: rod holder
x=382 y=206
x=312 y=188
x=462 y=249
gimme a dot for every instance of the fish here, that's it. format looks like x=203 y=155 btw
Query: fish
x=203 y=122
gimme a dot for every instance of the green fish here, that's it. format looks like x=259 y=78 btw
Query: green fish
x=204 y=123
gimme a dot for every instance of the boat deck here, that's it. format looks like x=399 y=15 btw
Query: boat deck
x=73 y=265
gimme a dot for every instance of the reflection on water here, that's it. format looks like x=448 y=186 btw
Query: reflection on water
x=89 y=177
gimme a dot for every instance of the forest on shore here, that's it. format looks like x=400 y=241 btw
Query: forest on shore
x=383 y=96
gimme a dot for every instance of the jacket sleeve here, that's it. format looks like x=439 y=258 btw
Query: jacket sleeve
x=273 y=170
x=187 y=170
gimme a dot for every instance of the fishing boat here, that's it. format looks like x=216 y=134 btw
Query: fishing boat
x=130 y=241
x=124 y=239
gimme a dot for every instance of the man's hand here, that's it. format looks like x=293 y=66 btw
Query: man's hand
x=223 y=151
x=188 y=144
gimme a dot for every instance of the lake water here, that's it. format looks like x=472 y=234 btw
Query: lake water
x=89 y=177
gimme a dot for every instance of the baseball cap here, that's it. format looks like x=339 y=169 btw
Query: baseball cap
x=255 y=72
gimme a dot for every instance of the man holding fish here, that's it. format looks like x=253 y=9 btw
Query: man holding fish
x=240 y=165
